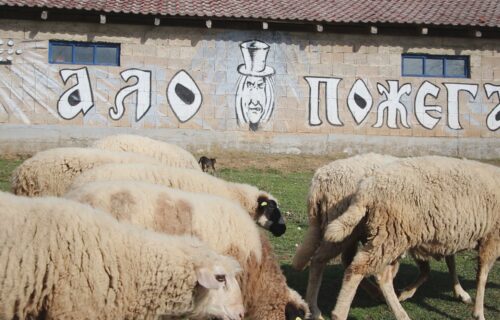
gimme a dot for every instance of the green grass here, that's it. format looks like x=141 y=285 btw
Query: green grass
x=434 y=300
x=6 y=167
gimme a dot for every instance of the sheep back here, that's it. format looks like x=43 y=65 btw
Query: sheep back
x=435 y=205
x=330 y=193
x=52 y=171
x=179 y=178
x=167 y=153
x=219 y=222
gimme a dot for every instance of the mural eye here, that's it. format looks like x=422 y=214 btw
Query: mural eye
x=497 y=117
x=186 y=95
x=360 y=101
x=262 y=85
x=249 y=85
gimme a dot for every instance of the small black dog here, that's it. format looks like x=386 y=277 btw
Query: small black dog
x=207 y=164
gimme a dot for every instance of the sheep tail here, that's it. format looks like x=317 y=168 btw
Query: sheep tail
x=312 y=238
x=344 y=225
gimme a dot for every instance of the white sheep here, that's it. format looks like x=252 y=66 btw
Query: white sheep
x=167 y=153
x=219 y=222
x=330 y=193
x=60 y=259
x=50 y=172
x=433 y=207
x=259 y=204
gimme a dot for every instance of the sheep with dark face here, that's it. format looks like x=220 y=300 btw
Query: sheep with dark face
x=219 y=222
x=60 y=259
x=261 y=205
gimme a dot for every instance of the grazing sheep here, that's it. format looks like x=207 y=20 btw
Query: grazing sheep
x=330 y=193
x=219 y=222
x=261 y=206
x=431 y=206
x=63 y=260
x=167 y=153
x=50 y=172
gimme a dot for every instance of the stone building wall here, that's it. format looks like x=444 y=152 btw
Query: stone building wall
x=318 y=92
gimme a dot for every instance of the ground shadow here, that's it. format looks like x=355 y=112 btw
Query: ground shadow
x=435 y=296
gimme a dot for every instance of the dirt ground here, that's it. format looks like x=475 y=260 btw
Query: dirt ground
x=279 y=162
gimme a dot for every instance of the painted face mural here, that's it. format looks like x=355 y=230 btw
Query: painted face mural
x=255 y=93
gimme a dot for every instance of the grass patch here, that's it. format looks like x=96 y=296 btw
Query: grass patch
x=6 y=168
x=288 y=180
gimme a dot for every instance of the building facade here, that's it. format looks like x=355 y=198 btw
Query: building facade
x=270 y=89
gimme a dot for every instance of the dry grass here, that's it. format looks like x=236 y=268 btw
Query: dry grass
x=264 y=162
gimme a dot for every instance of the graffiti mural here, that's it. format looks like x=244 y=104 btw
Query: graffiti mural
x=255 y=89
x=332 y=114
x=142 y=89
x=360 y=100
x=184 y=96
x=212 y=88
x=392 y=104
x=493 y=119
x=422 y=110
x=78 y=98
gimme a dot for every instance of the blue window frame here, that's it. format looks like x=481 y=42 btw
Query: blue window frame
x=86 y=53
x=427 y=65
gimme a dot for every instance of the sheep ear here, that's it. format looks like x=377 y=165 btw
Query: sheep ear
x=207 y=279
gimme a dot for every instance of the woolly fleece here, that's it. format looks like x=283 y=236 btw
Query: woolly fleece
x=222 y=224
x=167 y=153
x=63 y=260
x=178 y=178
x=51 y=172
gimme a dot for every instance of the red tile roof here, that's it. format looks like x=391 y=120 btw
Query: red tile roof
x=424 y=12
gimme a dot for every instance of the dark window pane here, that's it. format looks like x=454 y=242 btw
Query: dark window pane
x=106 y=55
x=84 y=55
x=455 y=68
x=433 y=67
x=61 y=53
x=413 y=66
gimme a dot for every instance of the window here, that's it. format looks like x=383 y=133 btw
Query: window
x=89 y=53
x=426 y=65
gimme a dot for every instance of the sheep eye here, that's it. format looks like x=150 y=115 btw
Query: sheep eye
x=220 y=277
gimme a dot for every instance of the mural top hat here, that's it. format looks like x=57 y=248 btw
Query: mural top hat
x=255 y=55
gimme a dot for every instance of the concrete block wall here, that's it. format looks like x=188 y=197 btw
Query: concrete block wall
x=31 y=91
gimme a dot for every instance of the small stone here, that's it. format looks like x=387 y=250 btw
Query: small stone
x=299 y=228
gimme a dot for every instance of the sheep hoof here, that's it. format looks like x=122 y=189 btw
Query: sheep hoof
x=464 y=297
x=405 y=295
x=479 y=316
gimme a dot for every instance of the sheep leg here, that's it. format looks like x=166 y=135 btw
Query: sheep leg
x=489 y=251
x=410 y=290
x=315 y=278
x=350 y=284
x=457 y=288
x=366 y=284
x=325 y=253
x=385 y=281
